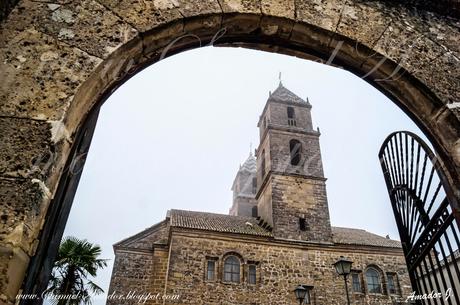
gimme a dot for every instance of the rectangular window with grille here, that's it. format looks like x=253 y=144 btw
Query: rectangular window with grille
x=211 y=270
x=391 y=283
x=252 y=276
x=356 y=282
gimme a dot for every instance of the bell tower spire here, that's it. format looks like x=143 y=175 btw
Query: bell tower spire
x=244 y=188
x=291 y=189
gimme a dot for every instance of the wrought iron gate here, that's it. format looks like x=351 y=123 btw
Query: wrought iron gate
x=428 y=230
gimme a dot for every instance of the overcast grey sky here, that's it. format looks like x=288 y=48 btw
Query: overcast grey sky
x=174 y=135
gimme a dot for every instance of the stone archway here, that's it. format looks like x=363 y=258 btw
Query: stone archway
x=60 y=60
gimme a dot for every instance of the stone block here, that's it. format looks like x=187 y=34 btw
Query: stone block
x=240 y=24
x=145 y=15
x=278 y=8
x=324 y=14
x=444 y=75
x=23 y=202
x=241 y=6
x=204 y=28
x=276 y=27
x=27 y=148
x=40 y=75
x=304 y=36
x=165 y=39
x=14 y=265
x=106 y=78
x=423 y=58
x=193 y=8
x=363 y=21
x=86 y=25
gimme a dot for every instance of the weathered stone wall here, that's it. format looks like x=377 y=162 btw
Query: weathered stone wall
x=57 y=60
x=263 y=157
x=147 y=239
x=242 y=206
x=136 y=273
x=281 y=267
x=275 y=113
x=444 y=7
x=140 y=266
x=264 y=204
x=280 y=157
x=278 y=115
x=298 y=197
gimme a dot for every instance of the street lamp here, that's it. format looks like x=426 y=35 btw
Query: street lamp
x=302 y=294
x=343 y=267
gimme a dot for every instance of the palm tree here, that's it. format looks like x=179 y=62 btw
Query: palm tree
x=76 y=260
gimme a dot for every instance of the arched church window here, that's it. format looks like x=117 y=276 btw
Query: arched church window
x=232 y=269
x=291 y=116
x=295 y=148
x=373 y=281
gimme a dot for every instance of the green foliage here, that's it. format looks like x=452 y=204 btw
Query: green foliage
x=76 y=261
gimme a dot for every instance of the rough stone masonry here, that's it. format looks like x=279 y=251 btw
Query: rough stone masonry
x=277 y=236
x=61 y=59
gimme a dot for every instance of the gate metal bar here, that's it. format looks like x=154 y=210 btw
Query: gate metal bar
x=429 y=232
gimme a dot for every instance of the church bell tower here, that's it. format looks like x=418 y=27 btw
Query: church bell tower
x=244 y=189
x=291 y=188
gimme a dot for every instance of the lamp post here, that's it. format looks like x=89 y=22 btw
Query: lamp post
x=302 y=294
x=343 y=267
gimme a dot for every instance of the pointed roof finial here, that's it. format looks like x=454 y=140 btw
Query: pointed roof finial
x=250 y=149
x=281 y=83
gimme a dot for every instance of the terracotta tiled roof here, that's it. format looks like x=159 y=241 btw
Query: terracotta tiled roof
x=361 y=237
x=217 y=222
x=250 y=226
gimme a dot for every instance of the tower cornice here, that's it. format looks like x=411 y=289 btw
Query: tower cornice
x=290 y=129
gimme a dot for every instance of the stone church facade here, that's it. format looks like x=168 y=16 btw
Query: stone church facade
x=277 y=235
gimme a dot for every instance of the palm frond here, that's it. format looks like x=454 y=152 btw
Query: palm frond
x=77 y=259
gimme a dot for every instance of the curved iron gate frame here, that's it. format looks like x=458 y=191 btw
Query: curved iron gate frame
x=418 y=248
